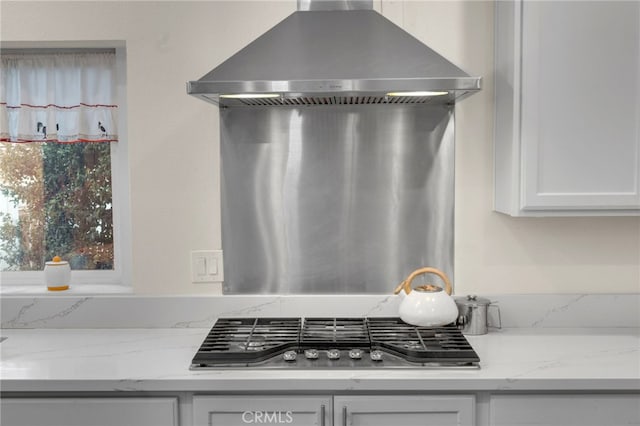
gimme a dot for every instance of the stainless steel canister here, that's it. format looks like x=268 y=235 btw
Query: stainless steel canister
x=473 y=316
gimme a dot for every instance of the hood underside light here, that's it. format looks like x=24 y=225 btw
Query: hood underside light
x=250 y=96
x=418 y=93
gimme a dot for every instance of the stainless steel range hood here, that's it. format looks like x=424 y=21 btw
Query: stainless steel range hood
x=334 y=57
x=321 y=194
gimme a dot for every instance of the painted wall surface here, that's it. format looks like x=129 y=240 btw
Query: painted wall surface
x=173 y=143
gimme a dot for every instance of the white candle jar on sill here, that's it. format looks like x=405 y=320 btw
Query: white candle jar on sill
x=57 y=274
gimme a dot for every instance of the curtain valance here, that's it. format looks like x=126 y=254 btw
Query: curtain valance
x=58 y=97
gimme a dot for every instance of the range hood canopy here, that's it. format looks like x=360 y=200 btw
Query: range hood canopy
x=334 y=57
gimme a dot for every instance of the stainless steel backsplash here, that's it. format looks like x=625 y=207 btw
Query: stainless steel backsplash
x=335 y=199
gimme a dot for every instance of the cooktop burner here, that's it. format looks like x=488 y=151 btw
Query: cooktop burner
x=317 y=343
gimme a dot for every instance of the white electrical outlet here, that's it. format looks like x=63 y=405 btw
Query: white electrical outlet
x=207 y=266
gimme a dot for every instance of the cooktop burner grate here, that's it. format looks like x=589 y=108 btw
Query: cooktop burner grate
x=417 y=343
x=331 y=343
x=248 y=339
x=336 y=332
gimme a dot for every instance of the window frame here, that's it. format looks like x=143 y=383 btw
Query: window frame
x=121 y=274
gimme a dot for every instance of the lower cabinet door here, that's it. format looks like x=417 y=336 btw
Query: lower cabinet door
x=565 y=410
x=413 y=410
x=89 y=412
x=261 y=410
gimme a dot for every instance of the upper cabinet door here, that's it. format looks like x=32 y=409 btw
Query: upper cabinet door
x=568 y=107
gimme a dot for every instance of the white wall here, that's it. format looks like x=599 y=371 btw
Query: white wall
x=173 y=143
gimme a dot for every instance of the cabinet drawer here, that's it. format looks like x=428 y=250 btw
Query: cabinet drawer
x=246 y=410
x=414 y=410
x=89 y=412
x=565 y=410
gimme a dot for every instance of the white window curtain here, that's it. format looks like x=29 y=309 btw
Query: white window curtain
x=59 y=97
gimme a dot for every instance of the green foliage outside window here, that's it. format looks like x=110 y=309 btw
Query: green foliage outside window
x=63 y=196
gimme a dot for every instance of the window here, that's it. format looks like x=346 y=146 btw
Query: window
x=61 y=162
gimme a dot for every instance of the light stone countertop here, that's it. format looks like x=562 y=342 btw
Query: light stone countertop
x=104 y=360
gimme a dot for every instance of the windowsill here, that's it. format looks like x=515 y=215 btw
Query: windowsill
x=87 y=289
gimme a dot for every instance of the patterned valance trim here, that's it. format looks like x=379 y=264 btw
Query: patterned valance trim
x=88 y=139
x=57 y=106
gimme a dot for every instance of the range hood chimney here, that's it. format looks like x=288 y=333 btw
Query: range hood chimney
x=334 y=52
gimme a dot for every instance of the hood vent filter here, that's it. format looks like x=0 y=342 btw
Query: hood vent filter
x=330 y=100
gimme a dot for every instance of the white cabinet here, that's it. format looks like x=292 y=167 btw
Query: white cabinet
x=409 y=410
x=369 y=410
x=484 y=408
x=129 y=411
x=260 y=409
x=567 y=124
x=564 y=410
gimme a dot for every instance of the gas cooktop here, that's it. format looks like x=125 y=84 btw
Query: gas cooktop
x=332 y=343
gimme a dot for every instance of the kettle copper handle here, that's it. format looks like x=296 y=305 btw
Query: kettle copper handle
x=406 y=284
x=400 y=287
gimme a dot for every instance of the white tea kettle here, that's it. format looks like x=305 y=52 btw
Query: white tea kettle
x=427 y=305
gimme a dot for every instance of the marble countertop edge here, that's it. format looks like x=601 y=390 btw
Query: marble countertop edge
x=336 y=386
